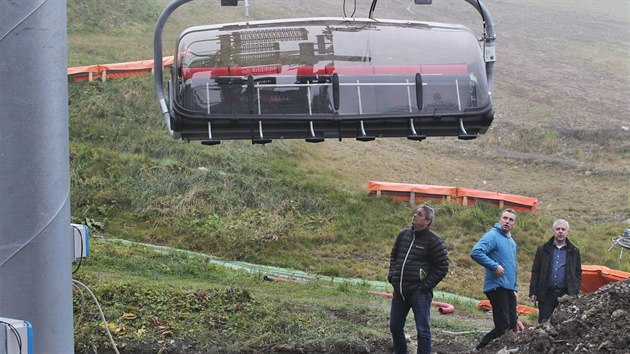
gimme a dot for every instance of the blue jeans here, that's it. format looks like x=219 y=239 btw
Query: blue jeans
x=420 y=303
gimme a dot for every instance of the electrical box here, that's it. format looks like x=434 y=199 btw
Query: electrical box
x=80 y=239
x=16 y=336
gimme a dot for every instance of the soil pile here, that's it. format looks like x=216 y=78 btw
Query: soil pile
x=598 y=322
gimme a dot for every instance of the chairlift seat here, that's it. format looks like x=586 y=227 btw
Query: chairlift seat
x=328 y=78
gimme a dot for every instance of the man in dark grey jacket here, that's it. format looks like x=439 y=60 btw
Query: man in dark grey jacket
x=418 y=262
x=557 y=271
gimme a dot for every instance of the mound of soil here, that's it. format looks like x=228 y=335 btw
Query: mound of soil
x=598 y=322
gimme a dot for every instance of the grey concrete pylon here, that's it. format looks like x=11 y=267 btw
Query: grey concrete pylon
x=35 y=242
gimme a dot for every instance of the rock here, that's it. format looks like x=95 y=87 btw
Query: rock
x=603 y=345
x=618 y=313
x=505 y=350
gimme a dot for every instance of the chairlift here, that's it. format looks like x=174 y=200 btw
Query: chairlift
x=321 y=78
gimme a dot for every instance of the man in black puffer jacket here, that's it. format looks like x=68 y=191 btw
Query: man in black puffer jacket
x=418 y=262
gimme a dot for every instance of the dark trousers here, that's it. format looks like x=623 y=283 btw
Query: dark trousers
x=420 y=303
x=548 y=303
x=503 y=303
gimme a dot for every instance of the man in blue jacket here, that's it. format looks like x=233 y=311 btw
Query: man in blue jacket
x=496 y=252
x=418 y=262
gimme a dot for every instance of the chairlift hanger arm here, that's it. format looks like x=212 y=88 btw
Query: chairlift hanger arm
x=157 y=62
x=158 y=57
x=489 y=36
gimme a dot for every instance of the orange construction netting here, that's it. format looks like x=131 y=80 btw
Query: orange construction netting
x=115 y=70
x=464 y=196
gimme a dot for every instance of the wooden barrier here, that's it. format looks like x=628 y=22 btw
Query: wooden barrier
x=115 y=70
x=415 y=193
x=467 y=196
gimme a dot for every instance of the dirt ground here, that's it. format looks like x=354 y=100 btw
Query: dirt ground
x=596 y=322
x=593 y=323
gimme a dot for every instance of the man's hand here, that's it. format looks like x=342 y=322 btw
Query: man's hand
x=499 y=271
x=533 y=298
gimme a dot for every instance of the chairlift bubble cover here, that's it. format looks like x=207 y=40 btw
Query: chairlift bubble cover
x=328 y=77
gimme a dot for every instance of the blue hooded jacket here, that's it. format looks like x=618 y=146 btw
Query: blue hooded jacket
x=496 y=248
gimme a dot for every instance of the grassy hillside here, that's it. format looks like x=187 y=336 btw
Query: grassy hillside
x=303 y=206
x=245 y=202
x=157 y=302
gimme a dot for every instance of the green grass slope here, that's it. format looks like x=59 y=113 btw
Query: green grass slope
x=302 y=206
x=243 y=202
x=156 y=302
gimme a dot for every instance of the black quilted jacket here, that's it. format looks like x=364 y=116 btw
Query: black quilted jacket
x=541 y=269
x=418 y=260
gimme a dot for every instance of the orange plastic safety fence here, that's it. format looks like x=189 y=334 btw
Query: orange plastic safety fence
x=115 y=70
x=464 y=196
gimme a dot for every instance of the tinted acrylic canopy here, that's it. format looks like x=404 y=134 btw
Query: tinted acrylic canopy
x=328 y=78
